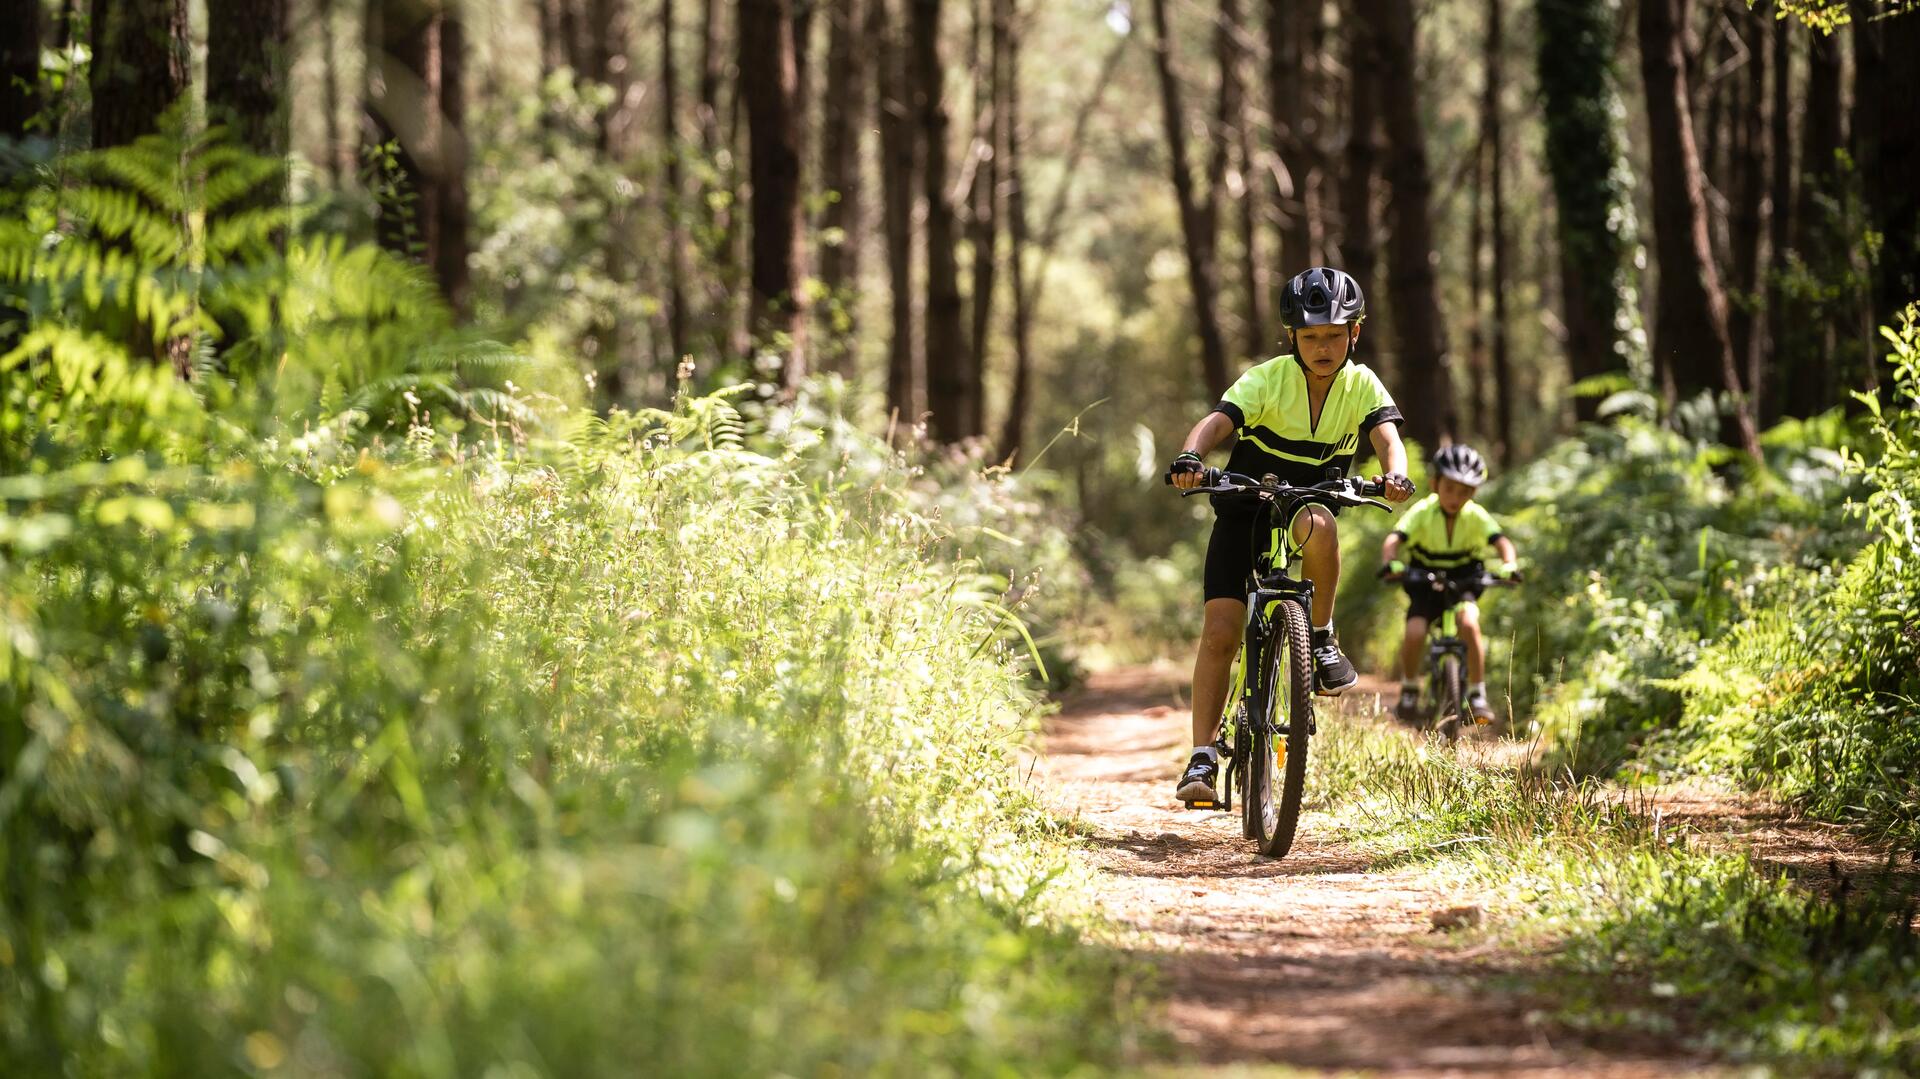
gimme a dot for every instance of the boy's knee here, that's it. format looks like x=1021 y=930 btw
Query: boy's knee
x=1315 y=526
x=1416 y=628
x=1468 y=615
x=1218 y=640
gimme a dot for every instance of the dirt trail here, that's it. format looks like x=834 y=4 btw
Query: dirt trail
x=1316 y=961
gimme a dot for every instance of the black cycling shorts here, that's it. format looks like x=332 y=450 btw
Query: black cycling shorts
x=1424 y=602
x=1230 y=552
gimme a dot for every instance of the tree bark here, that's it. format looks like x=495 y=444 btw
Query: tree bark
x=1233 y=150
x=1195 y=221
x=1690 y=315
x=1424 y=363
x=1576 y=42
x=1808 y=342
x=246 y=72
x=948 y=389
x=1013 y=429
x=673 y=147
x=1746 y=225
x=140 y=66
x=1358 y=249
x=983 y=218
x=1497 y=225
x=19 y=66
x=1886 y=129
x=1769 y=402
x=844 y=121
x=767 y=88
x=899 y=178
x=1285 y=97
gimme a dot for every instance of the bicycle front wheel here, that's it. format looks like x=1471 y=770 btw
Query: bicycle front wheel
x=1282 y=731
x=1451 y=717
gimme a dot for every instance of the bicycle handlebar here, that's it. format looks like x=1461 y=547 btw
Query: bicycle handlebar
x=1345 y=492
x=1442 y=580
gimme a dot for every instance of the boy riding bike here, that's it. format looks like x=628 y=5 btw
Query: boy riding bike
x=1446 y=532
x=1297 y=416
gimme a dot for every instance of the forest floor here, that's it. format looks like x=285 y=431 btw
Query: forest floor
x=1321 y=960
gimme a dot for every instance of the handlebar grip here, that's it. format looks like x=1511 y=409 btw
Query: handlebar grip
x=1209 y=477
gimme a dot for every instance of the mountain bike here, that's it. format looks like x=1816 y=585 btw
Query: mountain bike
x=1448 y=710
x=1269 y=712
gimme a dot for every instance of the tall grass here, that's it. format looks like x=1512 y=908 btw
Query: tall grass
x=633 y=751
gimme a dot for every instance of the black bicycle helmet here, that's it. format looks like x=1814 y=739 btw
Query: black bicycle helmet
x=1322 y=296
x=1461 y=463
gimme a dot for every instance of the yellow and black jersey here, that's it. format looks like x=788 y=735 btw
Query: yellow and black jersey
x=1433 y=542
x=1279 y=433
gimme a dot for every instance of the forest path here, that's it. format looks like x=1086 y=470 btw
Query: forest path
x=1316 y=961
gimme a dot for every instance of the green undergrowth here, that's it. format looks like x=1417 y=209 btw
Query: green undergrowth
x=1815 y=695
x=365 y=710
x=620 y=750
x=1646 y=929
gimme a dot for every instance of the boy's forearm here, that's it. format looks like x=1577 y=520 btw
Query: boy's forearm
x=1207 y=435
x=1391 y=548
x=1505 y=547
x=1389 y=449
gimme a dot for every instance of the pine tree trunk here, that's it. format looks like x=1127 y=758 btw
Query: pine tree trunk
x=1013 y=429
x=1811 y=342
x=767 y=89
x=19 y=66
x=330 y=93
x=140 y=66
x=1285 y=102
x=1886 y=130
x=1770 y=403
x=983 y=218
x=1503 y=387
x=1690 y=315
x=1195 y=221
x=1358 y=247
x=1233 y=146
x=452 y=244
x=843 y=123
x=1582 y=156
x=948 y=399
x=1412 y=288
x=674 y=148
x=1746 y=227
x=899 y=179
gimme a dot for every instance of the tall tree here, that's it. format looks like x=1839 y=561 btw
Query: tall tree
x=1290 y=105
x=1748 y=169
x=1690 y=342
x=1233 y=151
x=1493 y=137
x=19 y=66
x=899 y=178
x=1425 y=366
x=415 y=101
x=843 y=123
x=676 y=310
x=948 y=388
x=246 y=71
x=983 y=202
x=140 y=65
x=1358 y=252
x=1575 y=43
x=767 y=83
x=1196 y=220
x=1808 y=341
x=1768 y=398
x=1886 y=131
x=1013 y=431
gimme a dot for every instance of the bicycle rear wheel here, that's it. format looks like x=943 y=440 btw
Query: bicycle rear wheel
x=1278 y=776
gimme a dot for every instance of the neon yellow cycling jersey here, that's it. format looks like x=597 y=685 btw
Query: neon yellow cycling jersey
x=1432 y=544
x=1273 y=414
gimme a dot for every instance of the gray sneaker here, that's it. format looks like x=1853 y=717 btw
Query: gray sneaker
x=1332 y=673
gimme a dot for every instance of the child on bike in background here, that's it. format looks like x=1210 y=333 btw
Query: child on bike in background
x=1446 y=532
x=1297 y=415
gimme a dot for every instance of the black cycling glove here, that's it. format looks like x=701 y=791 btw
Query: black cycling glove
x=1186 y=462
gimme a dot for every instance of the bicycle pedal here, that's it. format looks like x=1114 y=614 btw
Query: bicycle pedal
x=1203 y=805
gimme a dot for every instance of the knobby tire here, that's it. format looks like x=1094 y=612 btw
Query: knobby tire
x=1286 y=699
